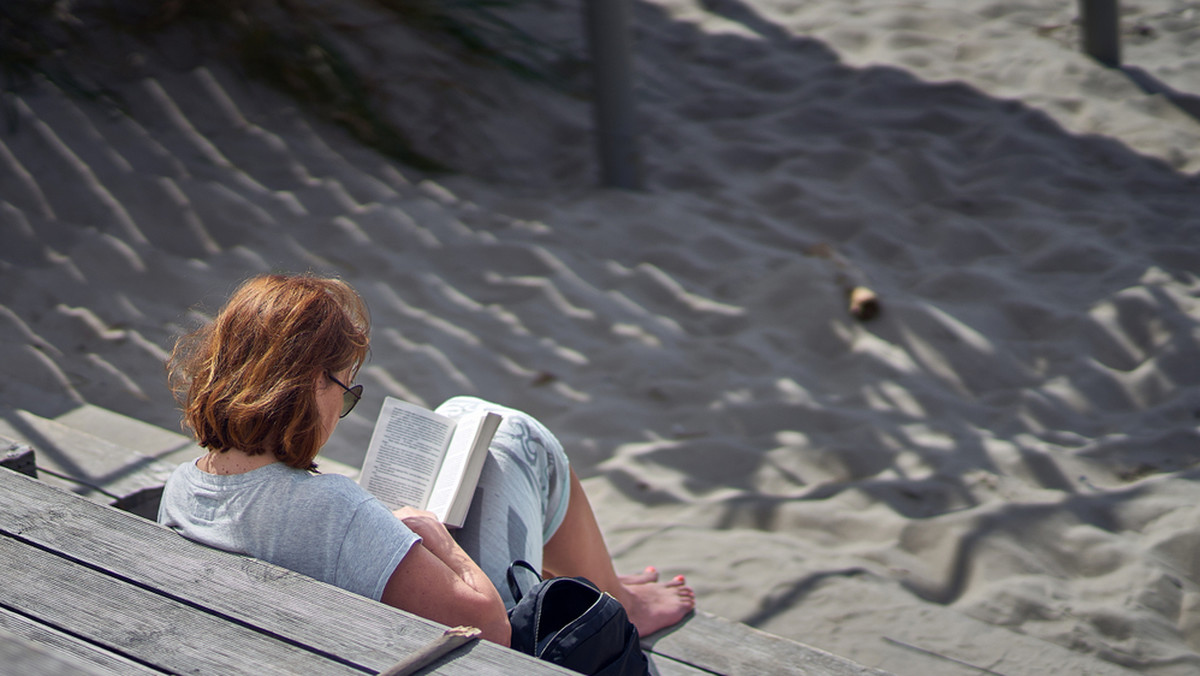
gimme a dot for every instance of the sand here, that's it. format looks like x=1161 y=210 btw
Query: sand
x=995 y=473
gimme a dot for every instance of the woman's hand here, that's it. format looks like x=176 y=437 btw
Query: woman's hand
x=416 y=518
x=436 y=538
x=406 y=512
x=427 y=526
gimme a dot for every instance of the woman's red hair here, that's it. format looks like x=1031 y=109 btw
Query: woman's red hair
x=246 y=379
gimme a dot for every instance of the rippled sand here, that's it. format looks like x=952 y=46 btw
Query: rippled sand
x=998 y=469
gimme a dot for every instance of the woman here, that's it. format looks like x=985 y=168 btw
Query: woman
x=262 y=388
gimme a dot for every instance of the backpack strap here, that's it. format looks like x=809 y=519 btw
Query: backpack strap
x=513 y=587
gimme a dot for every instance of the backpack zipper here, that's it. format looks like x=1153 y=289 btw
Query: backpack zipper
x=550 y=639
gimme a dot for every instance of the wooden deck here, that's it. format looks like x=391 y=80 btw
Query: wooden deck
x=90 y=589
x=112 y=591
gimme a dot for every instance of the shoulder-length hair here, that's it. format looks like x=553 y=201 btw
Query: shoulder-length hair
x=246 y=379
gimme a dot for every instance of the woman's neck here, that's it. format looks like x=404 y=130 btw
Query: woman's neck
x=233 y=461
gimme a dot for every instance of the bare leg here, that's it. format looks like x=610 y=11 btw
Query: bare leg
x=578 y=549
x=650 y=574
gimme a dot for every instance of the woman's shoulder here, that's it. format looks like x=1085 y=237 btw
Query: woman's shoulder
x=330 y=486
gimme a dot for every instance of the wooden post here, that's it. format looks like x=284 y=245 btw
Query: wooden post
x=19 y=458
x=610 y=46
x=1099 y=28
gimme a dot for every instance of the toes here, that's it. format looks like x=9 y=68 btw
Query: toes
x=650 y=574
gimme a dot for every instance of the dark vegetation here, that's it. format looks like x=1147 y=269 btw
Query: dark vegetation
x=290 y=45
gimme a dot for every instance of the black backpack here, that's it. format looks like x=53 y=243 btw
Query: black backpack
x=570 y=622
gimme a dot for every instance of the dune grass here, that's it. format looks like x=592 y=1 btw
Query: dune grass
x=35 y=37
x=479 y=28
x=287 y=44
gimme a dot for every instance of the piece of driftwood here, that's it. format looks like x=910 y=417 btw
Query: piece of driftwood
x=453 y=639
x=862 y=302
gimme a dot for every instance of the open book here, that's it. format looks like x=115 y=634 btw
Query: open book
x=421 y=459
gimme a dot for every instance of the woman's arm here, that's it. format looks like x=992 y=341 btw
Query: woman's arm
x=438 y=581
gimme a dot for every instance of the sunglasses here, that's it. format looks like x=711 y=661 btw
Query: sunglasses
x=349 y=398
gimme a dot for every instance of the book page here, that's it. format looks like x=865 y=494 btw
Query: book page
x=460 y=504
x=405 y=454
x=463 y=447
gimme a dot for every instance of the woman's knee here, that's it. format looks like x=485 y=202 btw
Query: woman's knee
x=520 y=434
x=528 y=439
x=461 y=405
x=524 y=446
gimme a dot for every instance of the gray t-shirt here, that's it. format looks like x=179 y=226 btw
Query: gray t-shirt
x=325 y=526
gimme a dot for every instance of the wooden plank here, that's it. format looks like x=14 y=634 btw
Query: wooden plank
x=83 y=463
x=716 y=645
x=140 y=624
x=18 y=458
x=362 y=631
x=311 y=613
x=30 y=659
x=88 y=657
x=661 y=665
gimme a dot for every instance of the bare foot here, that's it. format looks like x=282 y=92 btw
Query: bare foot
x=653 y=605
x=648 y=575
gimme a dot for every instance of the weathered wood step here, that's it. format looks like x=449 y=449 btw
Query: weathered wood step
x=714 y=645
x=162 y=444
x=151 y=575
x=31 y=659
x=107 y=457
x=110 y=571
x=44 y=649
x=129 y=455
x=85 y=464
